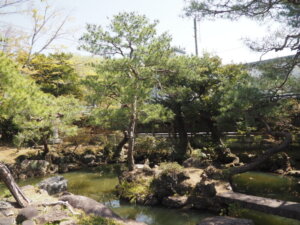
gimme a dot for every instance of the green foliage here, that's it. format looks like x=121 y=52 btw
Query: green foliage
x=131 y=76
x=192 y=89
x=126 y=77
x=152 y=144
x=154 y=149
x=35 y=113
x=95 y=220
x=133 y=191
x=170 y=167
x=248 y=107
x=55 y=73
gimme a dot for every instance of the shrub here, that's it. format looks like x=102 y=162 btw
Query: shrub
x=133 y=191
x=171 y=167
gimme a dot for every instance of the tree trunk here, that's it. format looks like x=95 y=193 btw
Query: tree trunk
x=120 y=146
x=266 y=155
x=183 y=143
x=46 y=147
x=225 y=156
x=131 y=132
x=14 y=189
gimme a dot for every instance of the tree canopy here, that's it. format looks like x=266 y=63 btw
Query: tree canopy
x=133 y=53
x=284 y=12
x=35 y=113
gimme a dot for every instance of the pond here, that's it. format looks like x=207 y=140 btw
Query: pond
x=100 y=183
x=267 y=185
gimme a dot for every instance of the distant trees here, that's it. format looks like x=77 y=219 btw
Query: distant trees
x=55 y=73
x=33 y=112
x=285 y=13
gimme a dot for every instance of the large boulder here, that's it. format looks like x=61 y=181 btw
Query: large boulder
x=168 y=183
x=27 y=213
x=205 y=189
x=224 y=220
x=206 y=203
x=89 y=206
x=54 y=185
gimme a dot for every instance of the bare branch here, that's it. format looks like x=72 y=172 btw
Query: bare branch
x=11 y=7
x=38 y=28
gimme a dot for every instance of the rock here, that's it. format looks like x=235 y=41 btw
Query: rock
x=213 y=172
x=151 y=200
x=54 y=185
x=7 y=221
x=27 y=213
x=73 y=166
x=148 y=171
x=166 y=184
x=163 y=186
x=5 y=205
x=175 y=201
x=52 y=217
x=294 y=173
x=28 y=222
x=206 y=189
x=184 y=188
x=7 y=212
x=33 y=168
x=222 y=220
x=88 y=159
x=63 y=168
x=196 y=162
x=182 y=176
x=206 y=203
x=89 y=206
x=53 y=169
x=68 y=222
x=139 y=166
x=22 y=176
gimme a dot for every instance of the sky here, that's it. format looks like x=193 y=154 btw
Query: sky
x=220 y=37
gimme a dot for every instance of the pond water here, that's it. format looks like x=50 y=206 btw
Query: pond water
x=100 y=183
x=268 y=185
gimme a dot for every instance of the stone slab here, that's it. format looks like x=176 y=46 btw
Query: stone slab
x=267 y=205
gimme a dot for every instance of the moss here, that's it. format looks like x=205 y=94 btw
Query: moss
x=94 y=220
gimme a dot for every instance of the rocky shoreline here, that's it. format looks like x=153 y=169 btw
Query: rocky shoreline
x=52 y=204
x=53 y=163
x=173 y=187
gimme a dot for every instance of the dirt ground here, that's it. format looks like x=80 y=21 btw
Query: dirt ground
x=9 y=154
